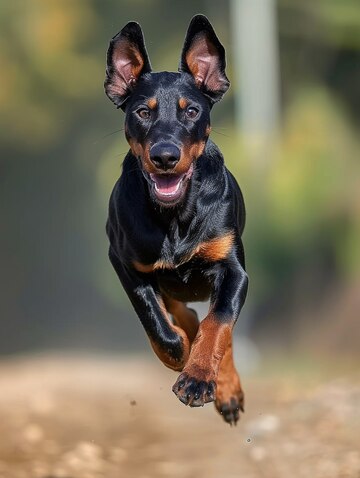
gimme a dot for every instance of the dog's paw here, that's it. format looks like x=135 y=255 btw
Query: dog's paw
x=230 y=407
x=193 y=391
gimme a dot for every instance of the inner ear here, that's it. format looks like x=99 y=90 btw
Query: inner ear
x=127 y=60
x=203 y=63
x=128 y=64
x=203 y=56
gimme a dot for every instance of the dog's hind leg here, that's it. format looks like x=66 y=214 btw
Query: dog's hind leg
x=184 y=317
x=229 y=396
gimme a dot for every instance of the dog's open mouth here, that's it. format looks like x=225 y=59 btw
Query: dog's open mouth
x=170 y=187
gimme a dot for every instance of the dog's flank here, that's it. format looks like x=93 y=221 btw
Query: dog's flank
x=176 y=214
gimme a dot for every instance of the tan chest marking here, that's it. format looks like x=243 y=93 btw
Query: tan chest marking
x=147 y=268
x=215 y=249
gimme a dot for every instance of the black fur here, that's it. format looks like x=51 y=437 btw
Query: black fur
x=143 y=229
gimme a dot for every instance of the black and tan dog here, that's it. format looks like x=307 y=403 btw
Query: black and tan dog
x=176 y=214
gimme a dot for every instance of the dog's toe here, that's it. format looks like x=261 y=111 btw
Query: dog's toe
x=230 y=410
x=194 y=392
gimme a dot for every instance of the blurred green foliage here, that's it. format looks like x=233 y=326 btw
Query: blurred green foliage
x=62 y=148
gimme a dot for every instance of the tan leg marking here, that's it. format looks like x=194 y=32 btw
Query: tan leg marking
x=196 y=385
x=185 y=318
x=208 y=349
x=229 y=395
x=164 y=355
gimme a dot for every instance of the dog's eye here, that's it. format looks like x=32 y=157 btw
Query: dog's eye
x=192 y=112
x=144 y=113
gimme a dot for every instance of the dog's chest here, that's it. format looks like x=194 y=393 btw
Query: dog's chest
x=175 y=253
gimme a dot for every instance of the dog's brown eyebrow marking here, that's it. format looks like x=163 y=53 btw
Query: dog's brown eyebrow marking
x=183 y=102
x=152 y=103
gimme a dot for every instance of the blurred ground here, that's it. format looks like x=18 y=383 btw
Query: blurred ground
x=91 y=417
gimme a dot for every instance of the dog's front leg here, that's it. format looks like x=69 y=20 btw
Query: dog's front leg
x=197 y=384
x=170 y=343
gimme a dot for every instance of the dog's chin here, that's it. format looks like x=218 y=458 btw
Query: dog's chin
x=169 y=190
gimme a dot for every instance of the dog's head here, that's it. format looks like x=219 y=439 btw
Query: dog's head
x=167 y=119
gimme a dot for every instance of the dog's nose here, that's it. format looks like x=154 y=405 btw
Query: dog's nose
x=165 y=155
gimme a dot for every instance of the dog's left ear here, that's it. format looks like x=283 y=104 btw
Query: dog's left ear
x=203 y=56
x=127 y=60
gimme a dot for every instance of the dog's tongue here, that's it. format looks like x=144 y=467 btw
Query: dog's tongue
x=166 y=185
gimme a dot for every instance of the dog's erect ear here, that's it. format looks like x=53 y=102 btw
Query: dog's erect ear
x=204 y=57
x=127 y=60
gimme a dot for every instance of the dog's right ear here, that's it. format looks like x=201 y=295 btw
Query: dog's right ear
x=127 y=60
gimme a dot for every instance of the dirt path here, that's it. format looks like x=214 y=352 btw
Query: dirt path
x=114 y=418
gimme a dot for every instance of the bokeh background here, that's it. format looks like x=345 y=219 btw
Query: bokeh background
x=289 y=131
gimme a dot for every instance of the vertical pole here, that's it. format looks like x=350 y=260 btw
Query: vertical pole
x=255 y=54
